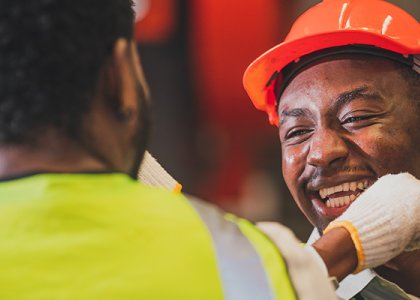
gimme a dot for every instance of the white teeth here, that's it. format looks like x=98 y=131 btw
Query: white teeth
x=340 y=201
x=323 y=193
x=347 y=200
x=346 y=187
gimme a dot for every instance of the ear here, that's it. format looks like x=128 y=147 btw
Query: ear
x=122 y=81
x=138 y=70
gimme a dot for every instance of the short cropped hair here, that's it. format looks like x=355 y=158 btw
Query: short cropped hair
x=413 y=80
x=51 y=53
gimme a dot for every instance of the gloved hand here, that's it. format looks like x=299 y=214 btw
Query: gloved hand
x=384 y=220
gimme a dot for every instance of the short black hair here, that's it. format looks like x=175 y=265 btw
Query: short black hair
x=51 y=54
x=413 y=81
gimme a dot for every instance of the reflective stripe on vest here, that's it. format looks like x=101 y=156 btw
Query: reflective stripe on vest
x=241 y=270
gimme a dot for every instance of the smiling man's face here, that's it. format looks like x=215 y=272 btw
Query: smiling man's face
x=344 y=123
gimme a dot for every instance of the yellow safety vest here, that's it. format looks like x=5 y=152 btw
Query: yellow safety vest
x=105 y=236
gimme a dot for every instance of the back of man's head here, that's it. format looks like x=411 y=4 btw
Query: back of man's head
x=51 y=53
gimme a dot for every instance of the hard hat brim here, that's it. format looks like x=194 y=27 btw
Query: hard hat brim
x=258 y=74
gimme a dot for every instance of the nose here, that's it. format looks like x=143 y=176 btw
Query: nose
x=327 y=149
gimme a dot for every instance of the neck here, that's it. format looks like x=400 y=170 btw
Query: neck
x=53 y=153
x=404 y=270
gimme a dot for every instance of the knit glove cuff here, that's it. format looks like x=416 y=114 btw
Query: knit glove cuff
x=384 y=220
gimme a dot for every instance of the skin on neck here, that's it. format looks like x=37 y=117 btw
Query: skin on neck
x=404 y=270
x=110 y=129
x=53 y=153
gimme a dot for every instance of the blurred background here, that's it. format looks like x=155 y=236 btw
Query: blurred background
x=206 y=132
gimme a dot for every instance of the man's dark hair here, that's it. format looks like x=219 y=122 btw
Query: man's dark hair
x=51 y=53
x=413 y=80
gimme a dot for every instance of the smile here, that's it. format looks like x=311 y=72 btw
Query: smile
x=343 y=194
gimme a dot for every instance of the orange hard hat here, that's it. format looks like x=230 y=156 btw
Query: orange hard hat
x=331 y=24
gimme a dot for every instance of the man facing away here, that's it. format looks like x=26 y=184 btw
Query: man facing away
x=344 y=91
x=74 y=222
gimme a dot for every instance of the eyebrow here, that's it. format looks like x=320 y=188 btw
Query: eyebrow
x=342 y=99
x=297 y=112
x=360 y=92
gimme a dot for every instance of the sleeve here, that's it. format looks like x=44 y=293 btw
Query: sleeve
x=308 y=274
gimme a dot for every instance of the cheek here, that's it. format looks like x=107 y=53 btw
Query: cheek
x=293 y=164
x=388 y=150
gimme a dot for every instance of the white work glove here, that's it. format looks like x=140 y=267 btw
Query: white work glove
x=384 y=220
x=153 y=174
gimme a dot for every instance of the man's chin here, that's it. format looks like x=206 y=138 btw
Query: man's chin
x=325 y=215
x=328 y=213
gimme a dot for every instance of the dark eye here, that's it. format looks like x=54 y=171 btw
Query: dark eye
x=355 y=119
x=297 y=132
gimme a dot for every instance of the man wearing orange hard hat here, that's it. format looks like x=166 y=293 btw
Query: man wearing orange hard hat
x=344 y=90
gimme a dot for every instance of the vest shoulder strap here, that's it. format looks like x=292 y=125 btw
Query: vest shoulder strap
x=243 y=272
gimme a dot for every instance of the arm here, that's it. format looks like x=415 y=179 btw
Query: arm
x=338 y=252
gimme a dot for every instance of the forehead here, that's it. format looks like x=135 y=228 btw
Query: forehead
x=322 y=82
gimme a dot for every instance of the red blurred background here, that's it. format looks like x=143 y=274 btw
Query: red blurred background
x=206 y=131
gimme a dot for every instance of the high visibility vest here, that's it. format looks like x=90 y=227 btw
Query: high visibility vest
x=105 y=236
